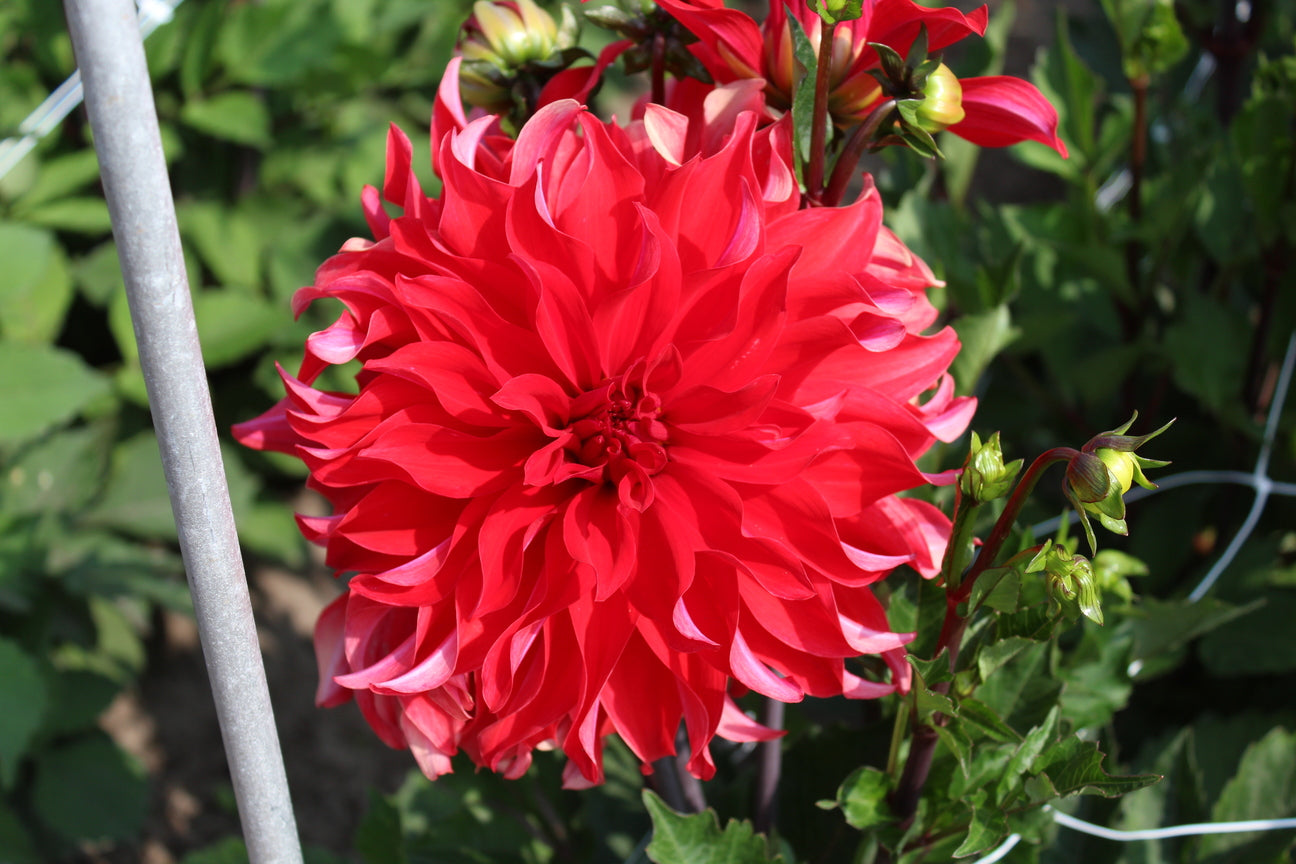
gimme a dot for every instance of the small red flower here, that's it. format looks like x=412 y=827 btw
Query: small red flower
x=1000 y=110
x=628 y=432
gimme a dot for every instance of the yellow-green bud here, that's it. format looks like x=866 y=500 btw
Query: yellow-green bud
x=985 y=476
x=942 y=104
x=1121 y=464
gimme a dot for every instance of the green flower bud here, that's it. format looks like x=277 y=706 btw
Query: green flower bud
x=985 y=477
x=942 y=104
x=1070 y=581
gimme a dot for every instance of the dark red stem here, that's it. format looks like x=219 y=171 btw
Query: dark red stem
x=819 y=117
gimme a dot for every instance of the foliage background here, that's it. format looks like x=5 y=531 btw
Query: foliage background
x=1073 y=314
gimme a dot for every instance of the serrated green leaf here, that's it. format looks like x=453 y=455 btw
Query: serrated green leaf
x=60 y=175
x=59 y=474
x=89 y=790
x=237 y=116
x=1075 y=768
x=41 y=388
x=1028 y=751
x=1259 y=644
x=976 y=715
x=996 y=654
x=698 y=839
x=987 y=829
x=1022 y=692
x=227 y=241
x=25 y=693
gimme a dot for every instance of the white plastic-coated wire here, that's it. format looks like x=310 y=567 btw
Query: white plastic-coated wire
x=67 y=96
x=1197 y=828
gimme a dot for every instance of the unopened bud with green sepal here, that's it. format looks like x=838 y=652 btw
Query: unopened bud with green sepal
x=985 y=477
x=1098 y=477
x=1069 y=579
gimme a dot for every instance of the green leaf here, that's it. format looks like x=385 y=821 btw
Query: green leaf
x=1161 y=626
x=1022 y=692
x=77 y=698
x=60 y=473
x=237 y=116
x=60 y=175
x=807 y=60
x=697 y=839
x=36 y=290
x=1074 y=767
x=977 y=716
x=80 y=215
x=378 y=839
x=232 y=325
x=136 y=501
x=996 y=654
x=1150 y=37
x=24 y=693
x=231 y=850
x=15 y=841
x=862 y=798
x=1025 y=755
x=42 y=387
x=89 y=790
x=227 y=241
x=984 y=335
x=1259 y=644
x=1264 y=787
x=988 y=828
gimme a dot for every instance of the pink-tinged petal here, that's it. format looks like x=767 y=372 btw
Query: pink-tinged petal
x=737 y=726
x=667 y=131
x=330 y=658
x=1001 y=110
x=749 y=669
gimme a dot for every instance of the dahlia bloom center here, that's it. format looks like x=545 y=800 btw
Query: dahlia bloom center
x=616 y=429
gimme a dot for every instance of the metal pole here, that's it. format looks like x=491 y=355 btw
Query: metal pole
x=119 y=101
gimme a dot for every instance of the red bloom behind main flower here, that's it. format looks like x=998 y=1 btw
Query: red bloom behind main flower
x=628 y=433
x=1000 y=110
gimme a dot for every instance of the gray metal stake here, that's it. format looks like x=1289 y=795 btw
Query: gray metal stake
x=119 y=100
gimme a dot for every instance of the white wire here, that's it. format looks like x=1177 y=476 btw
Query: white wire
x=1132 y=836
x=59 y=104
x=1173 y=830
x=1001 y=850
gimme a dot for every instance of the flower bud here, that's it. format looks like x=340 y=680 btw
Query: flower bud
x=985 y=477
x=509 y=35
x=942 y=104
x=1070 y=581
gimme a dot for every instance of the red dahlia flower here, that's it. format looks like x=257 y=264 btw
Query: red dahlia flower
x=628 y=434
x=999 y=109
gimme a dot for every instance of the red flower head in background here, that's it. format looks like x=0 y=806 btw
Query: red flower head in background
x=998 y=110
x=627 y=439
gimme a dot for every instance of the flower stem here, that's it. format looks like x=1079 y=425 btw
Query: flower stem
x=1003 y=527
x=768 y=768
x=659 y=69
x=908 y=791
x=819 y=117
x=849 y=158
